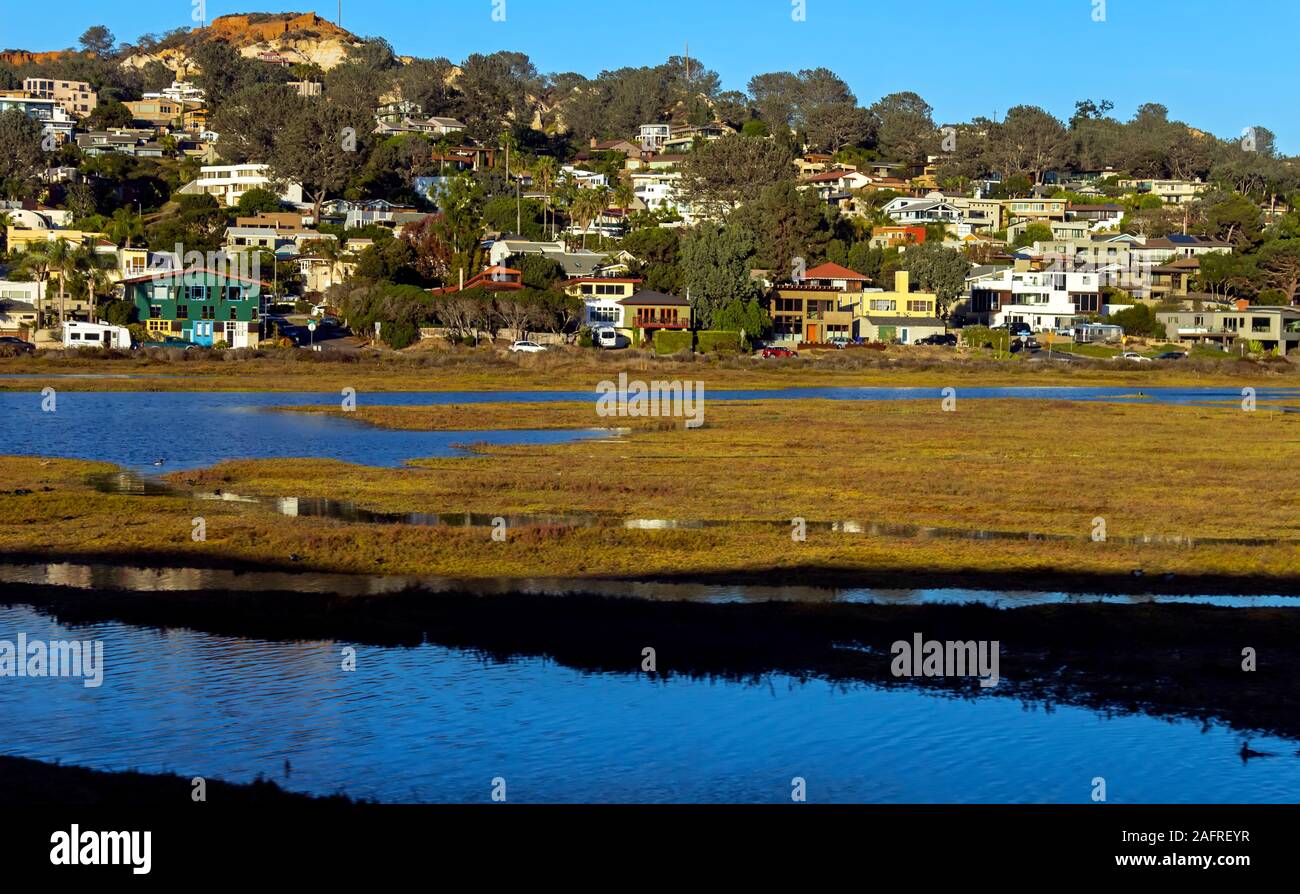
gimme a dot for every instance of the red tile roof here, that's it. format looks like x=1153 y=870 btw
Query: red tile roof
x=832 y=271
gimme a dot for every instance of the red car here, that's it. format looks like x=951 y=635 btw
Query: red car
x=770 y=352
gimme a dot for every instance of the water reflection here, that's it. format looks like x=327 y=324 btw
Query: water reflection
x=346 y=510
x=106 y=576
x=437 y=724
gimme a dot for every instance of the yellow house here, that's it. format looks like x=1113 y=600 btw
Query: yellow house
x=19 y=238
x=1035 y=209
x=900 y=315
x=808 y=314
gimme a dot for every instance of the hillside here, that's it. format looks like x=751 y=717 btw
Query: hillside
x=294 y=37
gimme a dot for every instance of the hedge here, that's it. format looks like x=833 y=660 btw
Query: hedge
x=718 y=341
x=669 y=341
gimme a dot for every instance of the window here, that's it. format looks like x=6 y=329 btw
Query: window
x=234 y=313
x=207 y=312
x=233 y=293
x=182 y=312
x=155 y=312
x=1259 y=324
x=883 y=304
x=919 y=307
x=196 y=293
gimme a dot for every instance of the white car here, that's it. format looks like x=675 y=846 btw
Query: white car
x=526 y=347
x=606 y=338
x=1132 y=355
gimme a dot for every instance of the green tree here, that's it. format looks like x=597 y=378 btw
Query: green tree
x=724 y=173
x=256 y=201
x=1139 y=320
x=939 y=270
x=1279 y=265
x=748 y=317
x=97 y=39
x=906 y=130
x=1035 y=232
x=21 y=155
x=715 y=266
x=787 y=223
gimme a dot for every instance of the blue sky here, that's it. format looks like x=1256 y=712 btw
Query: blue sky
x=1209 y=61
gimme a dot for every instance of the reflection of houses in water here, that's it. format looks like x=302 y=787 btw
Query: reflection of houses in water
x=67 y=575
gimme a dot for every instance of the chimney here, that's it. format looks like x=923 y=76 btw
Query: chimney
x=1242 y=304
x=901 y=282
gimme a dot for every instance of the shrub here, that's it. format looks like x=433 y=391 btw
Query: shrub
x=584 y=337
x=669 y=341
x=713 y=341
x=399 y=335
x=1139 y=320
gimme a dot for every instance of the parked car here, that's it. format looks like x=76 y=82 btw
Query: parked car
x=1172 y=355
x=17 y=344
x=839 y=341
x=1134 y=356
x=526 y=347
x=773 y=351
x=1020 y=330
x=170 y=342
x=605 y=338
x=946 y=338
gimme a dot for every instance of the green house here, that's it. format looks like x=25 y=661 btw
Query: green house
x=202 y=306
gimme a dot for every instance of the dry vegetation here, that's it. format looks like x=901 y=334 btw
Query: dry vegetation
x=1044 y=468
x=489 y=369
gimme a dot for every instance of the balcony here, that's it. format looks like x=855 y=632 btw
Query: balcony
x=651 y=321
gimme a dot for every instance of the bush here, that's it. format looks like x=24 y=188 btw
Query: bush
x=717 y=342
x=399 y=335
x=1139 y=320
x=984 y=337
x=668 y=341
x=584 y=337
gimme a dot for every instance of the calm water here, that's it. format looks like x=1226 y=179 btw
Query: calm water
x=434 y=724
x=186 y=431
x=195 y=429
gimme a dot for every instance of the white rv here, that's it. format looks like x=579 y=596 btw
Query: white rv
x=95 y=335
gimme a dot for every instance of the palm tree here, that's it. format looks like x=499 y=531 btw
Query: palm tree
x=624 y=196
x=123 y=226
x=544 y=171
x=589 y=205
x=37 y=262
x=63 y=261
x=92 y=269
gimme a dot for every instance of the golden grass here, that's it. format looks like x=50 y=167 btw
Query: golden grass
x=1049 y=467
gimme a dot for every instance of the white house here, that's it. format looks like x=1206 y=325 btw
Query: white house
x=907 y=210
x=585 y=179
x=77 y=334
x=17 y=318
x=228 y=183
x=1044 y=300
